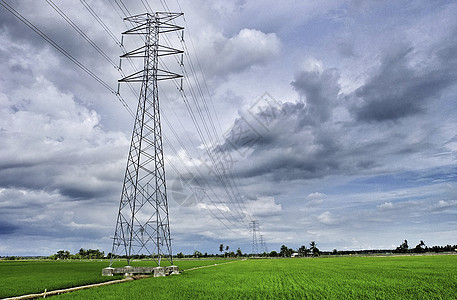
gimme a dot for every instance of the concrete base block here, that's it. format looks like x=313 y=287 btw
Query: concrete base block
x=131 y=271
x=159 y=271
x=108 y=272
x=172 y=270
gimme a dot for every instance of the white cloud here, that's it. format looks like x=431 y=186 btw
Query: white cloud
x=385 y=206
x=214 y=207
x=248 y=48
x=327 y=218
x=446 y=204
x=315 y=198
x=263 y=207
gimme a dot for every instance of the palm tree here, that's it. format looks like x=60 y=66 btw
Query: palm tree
x=313 y=248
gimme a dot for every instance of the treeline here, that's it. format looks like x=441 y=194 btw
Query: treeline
x=284 y=251
x=312 y=250
x=422 y=248
x=82 y=254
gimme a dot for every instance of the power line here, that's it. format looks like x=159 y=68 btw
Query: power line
x=199 y=110
x=203 y=122
x=182 y=145
x=100 y=21
x=81 y=32
x=63 y=51
x=55 y=45
x=202 y=115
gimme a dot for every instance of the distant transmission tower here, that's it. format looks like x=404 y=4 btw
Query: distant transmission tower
x=255 y=228
x=263 y=246
x=142 y=226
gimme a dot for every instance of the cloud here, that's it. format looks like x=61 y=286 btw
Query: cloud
x=58 y=166
x=442 y=204
x=224 y=56
x=327 y=218
x=7 y=228
x=405 y=83
x=286 y=149
x=320 y=89
x=315 y=198
x=263 y=207
x=44 y=130
x=385 y=206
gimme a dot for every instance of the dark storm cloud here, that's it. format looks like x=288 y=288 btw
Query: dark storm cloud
x=7 y=228
x=288 y=149
x=288 y=141
x=52 y=177
x=48 y=22
x=320 y=89
x=50 y=62
x=399 y=89
x=317 y=137
x=85 y=191
x=14 y=27
x=27 y=176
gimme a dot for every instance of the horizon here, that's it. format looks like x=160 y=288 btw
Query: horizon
x=336 y=119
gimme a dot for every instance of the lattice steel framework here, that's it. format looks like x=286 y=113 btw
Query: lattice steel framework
x=263 y=246
x=142 y=226
x=255 y=227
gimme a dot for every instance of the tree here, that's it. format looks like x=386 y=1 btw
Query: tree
x=285 y=252
x=227 y=248
x=303 y=251
x=61 y=254
x=180 y=255
x=197 y=254
x=314 y=249
x=273 y=254
x=238 y=252
x=420 y=248
x=403 y=248
x=221 y=248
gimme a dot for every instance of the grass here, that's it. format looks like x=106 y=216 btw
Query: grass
x=408 y=277
x=29 y=277
x=24 y=277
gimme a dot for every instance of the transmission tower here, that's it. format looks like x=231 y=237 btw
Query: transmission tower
x=142 y=226
x=263 y=246
x=255 y=227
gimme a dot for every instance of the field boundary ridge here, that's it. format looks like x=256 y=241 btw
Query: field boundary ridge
x=67 y=290
x=229 y=262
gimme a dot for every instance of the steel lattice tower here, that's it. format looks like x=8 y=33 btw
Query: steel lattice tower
x=263 y=246
x=142 y=223
x=255 y=227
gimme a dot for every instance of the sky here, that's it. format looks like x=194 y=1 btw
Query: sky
x=338 y=119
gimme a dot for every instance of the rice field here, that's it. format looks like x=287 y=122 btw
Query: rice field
x=29 y=277
x=424 y=277
x=397 y=277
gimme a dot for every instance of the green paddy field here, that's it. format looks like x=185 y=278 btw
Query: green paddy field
x=394 y=277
